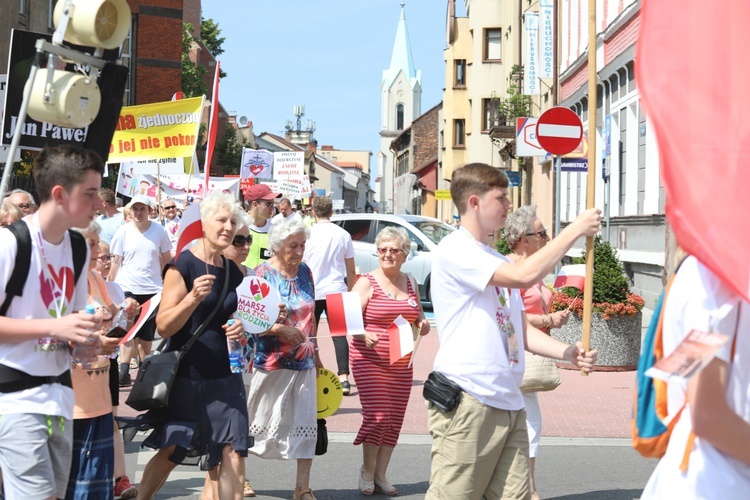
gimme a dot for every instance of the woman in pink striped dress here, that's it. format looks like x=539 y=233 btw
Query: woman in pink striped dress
x=384 y=388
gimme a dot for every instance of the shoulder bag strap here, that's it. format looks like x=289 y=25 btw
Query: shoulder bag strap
x=203 y=326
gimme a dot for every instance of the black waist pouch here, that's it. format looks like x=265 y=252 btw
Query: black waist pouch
x=442 y=392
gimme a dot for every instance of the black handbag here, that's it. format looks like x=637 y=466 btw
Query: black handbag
x=321 y=445
x=441 y=391
x=153 y=384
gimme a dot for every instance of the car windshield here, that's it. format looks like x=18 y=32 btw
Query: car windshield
x=434 y=230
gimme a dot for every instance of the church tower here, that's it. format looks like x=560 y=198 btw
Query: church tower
x=400 y=104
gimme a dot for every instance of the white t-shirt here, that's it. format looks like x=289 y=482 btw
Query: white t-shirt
x=325 y=252
x=140 y=268
x=480 y=327
x=697 y=297
x=45 y=356
x=279 y=217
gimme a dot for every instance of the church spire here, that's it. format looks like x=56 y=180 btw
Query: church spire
x=401 y=58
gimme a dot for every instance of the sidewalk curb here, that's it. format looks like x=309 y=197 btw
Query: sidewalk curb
x=425 y=439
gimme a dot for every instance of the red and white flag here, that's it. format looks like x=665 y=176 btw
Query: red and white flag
x=191 y=228
x=213 y=125
x=401 y=337
x=344 y=312
x=573 y=275
x=148 y=309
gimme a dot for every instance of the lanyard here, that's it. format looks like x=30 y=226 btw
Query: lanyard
x=58 y=294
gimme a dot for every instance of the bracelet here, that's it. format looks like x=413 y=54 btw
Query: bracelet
x=549 y=316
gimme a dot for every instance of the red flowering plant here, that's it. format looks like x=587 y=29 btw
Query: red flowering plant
x=611 y=296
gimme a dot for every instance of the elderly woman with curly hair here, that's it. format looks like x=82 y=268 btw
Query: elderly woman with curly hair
x=525 y=234
x=206 y=420
x=282 y=402
x=384 y=388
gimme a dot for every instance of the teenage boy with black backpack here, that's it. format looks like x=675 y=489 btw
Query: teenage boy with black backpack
x=41 y=322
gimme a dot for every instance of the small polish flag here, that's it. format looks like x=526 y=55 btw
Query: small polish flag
x=344 y=312
x=573 y=275
x=401 y=337
x=148 y=309
x=191 y=228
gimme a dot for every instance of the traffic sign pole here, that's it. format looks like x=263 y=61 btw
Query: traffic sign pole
x=558 y=192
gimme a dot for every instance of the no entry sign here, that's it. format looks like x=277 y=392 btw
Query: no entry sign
x=559 y=130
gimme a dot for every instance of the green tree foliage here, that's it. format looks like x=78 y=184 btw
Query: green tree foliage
x=212 y=39
x=610 y=283
x=501 y=245
x=193 y=75
x=211 y=36
x=229 y=150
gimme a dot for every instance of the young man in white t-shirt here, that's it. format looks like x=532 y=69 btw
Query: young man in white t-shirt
x=717 y=398
x=41 y=326
x=140 y=249
x=330 y=254
x=481 y=447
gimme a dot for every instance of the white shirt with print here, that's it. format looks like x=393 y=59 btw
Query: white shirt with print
x=45 y=356
x=480 y=327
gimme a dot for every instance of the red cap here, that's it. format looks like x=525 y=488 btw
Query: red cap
x=260 y=192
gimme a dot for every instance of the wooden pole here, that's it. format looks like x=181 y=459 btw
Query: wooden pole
x=591 y=184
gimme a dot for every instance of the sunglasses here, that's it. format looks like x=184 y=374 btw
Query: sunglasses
x=241 y=241
x=170 y=207
x=104 y=258
x=542 y=234
x=26 y=206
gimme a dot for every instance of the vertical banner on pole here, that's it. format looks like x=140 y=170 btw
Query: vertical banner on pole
x=531 y=54
x=546 y=38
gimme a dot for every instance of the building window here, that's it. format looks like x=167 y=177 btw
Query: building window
x=492 y=44
x=400 y=117
x=460 y=73
x=402 y=164
x=490 y=115
x=459 y=133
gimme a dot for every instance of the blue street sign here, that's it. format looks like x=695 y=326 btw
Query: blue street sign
x=574 y=165
x=514 y=178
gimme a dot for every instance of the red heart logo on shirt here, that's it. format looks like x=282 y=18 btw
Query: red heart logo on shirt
x=64 y=277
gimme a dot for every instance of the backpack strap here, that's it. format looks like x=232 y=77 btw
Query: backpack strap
x=78 y=245
x=17 y=281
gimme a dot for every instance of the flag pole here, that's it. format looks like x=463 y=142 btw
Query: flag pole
x=591 y=178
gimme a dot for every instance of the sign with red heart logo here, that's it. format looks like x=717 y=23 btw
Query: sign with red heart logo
x=257 y=304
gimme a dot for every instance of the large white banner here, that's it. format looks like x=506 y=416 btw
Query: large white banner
x=546 y=34
x=176 y=187
x=531 y=54
x=256 y=163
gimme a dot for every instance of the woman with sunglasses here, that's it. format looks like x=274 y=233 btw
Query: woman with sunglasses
x=525 y=235
x=384 y=388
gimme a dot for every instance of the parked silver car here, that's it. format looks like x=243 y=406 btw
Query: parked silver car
x=425 y=234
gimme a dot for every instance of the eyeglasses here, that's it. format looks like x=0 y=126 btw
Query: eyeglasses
x=266 y=203
x=385 y=251
x=171 y=207
x=241 y=241
x=104 y=258
x=26 y=206
x=542 y=234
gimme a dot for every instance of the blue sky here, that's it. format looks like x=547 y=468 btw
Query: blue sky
x=328 y=55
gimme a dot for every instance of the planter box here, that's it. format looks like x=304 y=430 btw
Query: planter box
x=617 y=339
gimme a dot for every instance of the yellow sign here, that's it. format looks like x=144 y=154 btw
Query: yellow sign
x=155 y=131
x=581 y=151
x=330 y=393
x=443 y=194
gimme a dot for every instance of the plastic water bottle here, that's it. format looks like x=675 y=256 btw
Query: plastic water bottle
x=82 y=353
x=236 y=354
x=119 y=323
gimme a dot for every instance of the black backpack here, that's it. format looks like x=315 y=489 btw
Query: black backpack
x=12 y=380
